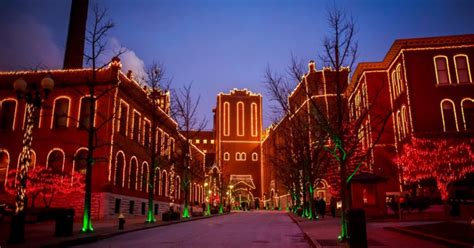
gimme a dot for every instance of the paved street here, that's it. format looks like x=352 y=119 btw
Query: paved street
x=246 y=229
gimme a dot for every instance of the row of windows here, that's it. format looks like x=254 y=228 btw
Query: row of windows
x=450 y=118
x=461 y=66
x=141 y=131
x=61 y=113
x=240 y=156
x=241 y=119
x=56 y=160
x=204 y=141
x=135 y=177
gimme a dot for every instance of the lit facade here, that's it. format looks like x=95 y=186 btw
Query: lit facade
x=122 y=157
x=238 y=132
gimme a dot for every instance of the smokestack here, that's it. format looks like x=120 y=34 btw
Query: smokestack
x=74 y=55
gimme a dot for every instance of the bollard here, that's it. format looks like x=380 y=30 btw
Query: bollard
x=121 y=222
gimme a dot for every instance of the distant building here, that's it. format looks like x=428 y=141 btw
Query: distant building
x=238 y=132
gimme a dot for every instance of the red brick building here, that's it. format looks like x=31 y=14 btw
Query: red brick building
x=427 y=85
x=123 y=122
x=422 y=88
x=238 y=132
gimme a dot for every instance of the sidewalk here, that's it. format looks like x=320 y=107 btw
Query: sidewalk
x=42 y=234
x=324 y=232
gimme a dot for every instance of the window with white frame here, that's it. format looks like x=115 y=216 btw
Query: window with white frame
x=254 y=156
x=226 y=156
x=442 y=70
x=226 y=119
x=463 y=74
x=240 y=119
x=448 y=115
x=467 y=105
x=7 y=114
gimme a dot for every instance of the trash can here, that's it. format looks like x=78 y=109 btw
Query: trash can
x=356 y=228
x=64 y=222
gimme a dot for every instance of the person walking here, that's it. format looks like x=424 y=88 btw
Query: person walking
x=322 y=207
x=332 y=204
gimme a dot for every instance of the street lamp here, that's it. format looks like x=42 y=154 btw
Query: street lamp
x=208 y=207
x=33 y=97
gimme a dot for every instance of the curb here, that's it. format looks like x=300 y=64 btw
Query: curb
x=312 y=242
x=97 y=237
x=428 y=237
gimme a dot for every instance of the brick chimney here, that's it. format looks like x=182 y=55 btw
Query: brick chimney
x=74 y=54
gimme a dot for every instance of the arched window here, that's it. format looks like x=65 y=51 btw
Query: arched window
x=145 y=177
x=254 y=119
x=146 y=135
x=4 y=164
x=7 y=114
x=240 y=119
x=123 y=119
x=237 y=156
x=119 y=169
x=448 y=114
x=157 y=188
x=405 y=120
x=164 y=183
x=442 y=70
x=61 y=112
x=55 y=161
x=170 y=183
x=254 y=156
x=133 y=174
x=80 y=160
x=85 y=112
x=243 y=156
x=226 y=156
x=178 y=186
x=467 y=105
x=226 y=119
x=139 y=177
x=463 y=74
x=399 y=79
x=399 y=125
x=394 y=84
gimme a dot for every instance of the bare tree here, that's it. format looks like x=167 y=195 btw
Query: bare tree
x=96 y=39
x=184 y=111
x=157 y=86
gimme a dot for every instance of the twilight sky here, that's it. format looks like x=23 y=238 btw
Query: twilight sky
x=222 y=44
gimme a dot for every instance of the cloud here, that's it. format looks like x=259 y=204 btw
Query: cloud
x=27 y=44
x=130 y=60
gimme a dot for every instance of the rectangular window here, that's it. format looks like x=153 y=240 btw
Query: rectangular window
x=204 y=141
x=156 y=209
x=462 y=69
x=146 y=137
x=118 y=202
x=442 y=70
x=85 y=113
x=123 y=118
x=7 y=115
x=131 y=207
x=61 y=111
x=143 y=207
x=212 y=141
x=240 y=119
x=136 y=126
x=226 y=119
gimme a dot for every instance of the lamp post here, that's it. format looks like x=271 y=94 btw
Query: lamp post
x=231 y=196
x=33 y=97
x=208 y=208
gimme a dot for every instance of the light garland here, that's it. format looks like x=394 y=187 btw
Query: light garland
x=444 y=160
